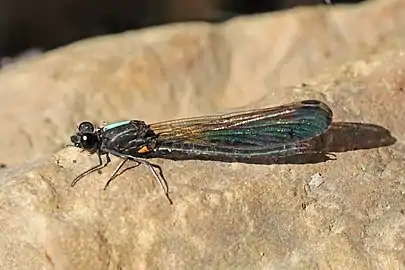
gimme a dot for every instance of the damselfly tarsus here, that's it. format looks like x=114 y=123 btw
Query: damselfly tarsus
x=275 y=132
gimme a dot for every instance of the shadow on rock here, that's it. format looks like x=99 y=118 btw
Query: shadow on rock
x=346 y=136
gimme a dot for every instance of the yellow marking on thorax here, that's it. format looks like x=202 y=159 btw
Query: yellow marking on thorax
x=143 y=149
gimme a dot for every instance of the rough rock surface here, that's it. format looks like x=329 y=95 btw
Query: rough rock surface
x=344 y=213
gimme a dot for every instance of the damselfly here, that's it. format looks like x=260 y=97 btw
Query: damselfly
x=270 y=132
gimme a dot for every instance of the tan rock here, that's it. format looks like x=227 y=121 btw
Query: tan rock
x=345 y=213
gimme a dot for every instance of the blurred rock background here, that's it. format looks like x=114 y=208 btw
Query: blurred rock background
x=44 y=25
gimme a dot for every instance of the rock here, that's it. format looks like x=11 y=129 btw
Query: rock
x=225 y=215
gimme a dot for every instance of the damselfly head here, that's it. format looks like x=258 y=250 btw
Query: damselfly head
x=86 y=138
x=86 y=127
x=86 y=141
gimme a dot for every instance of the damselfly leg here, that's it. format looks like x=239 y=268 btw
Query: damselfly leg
x=115 y=173
x=93 y=169
x=152 y=167
x=158 y=176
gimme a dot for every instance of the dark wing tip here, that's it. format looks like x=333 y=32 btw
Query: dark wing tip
x=311 y=102
x=318 y=104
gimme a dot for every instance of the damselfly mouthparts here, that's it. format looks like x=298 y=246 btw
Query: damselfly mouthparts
x=275 y=132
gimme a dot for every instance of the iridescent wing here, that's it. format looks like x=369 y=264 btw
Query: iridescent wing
x=257 y=132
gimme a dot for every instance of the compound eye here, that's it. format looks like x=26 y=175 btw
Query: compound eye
x=89 y=141
x=86 y=127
